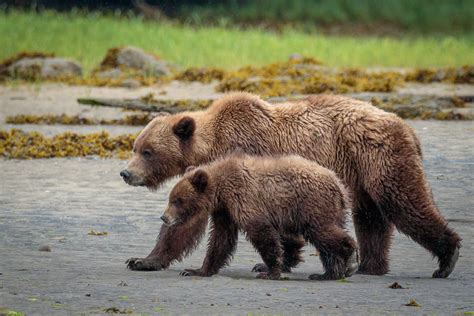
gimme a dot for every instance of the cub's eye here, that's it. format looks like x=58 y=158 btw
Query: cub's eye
x=146 y=153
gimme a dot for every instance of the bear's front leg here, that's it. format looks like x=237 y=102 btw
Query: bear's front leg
x=173 y=244
x=221 y=245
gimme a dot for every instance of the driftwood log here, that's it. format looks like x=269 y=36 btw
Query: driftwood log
x=169 y=106
x=404 y=105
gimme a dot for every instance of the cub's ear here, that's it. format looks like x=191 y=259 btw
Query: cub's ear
x=184 y=129
x=200 y=180
x=189 y=169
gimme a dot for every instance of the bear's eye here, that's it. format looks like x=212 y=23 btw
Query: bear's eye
x=178 y=201
x=146 y=153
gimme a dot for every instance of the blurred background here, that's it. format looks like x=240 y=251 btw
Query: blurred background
x=234 y=33
x=392 y=17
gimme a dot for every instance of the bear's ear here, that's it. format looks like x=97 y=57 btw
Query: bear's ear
x=200 y=180
x=184 y=129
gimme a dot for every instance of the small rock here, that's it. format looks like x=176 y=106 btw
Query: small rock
x=88 y=294
x=44 y=68
x=45 y=248
x=136 y=58
x=94 y=232
x=122 y=283
x=413 y=303
x=132 y=58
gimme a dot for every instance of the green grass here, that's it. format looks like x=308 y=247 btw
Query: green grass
x=87 y=37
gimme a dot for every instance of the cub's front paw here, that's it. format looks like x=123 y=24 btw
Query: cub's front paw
x=194 y=272
x=143 y=264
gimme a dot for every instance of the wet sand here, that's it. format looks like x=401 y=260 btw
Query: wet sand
x=56 y=202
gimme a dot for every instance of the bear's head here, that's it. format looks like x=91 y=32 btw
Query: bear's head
x=189 y=197
x=161 y=151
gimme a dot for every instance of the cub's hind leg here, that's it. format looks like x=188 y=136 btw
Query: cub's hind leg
x=292 y=245
x=267 y=242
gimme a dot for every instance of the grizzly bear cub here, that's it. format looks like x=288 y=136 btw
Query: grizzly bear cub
x=266 y=198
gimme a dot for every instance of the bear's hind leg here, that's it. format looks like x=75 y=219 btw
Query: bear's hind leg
x=267 y=242
x=424 y=224
x=292 y=245
x=338 y=253
x=405 y=199
x=374 y=236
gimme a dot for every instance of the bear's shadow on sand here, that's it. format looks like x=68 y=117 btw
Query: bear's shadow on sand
x=241 y=274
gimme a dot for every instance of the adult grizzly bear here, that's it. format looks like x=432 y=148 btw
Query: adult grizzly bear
x=374 y=152
x=300 y=198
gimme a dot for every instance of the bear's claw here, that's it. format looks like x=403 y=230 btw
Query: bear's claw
x=260 y=267
x=185 y=273
x=143 y=264
x=352 y=264
x=193 y=272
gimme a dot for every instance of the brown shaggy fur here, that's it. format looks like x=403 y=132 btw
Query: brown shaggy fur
x=375 y=153
x=300 y=198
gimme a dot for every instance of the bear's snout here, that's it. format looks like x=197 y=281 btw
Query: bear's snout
x=125 y=174
x=132 y=178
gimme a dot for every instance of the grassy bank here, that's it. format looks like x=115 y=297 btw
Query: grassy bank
x=86 y=39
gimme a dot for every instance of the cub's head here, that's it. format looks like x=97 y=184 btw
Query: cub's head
x=161 y=151
x=190 y=197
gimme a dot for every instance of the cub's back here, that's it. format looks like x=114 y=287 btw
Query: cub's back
x=288 y=177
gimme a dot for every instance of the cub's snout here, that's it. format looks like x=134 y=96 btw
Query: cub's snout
x=165 y=219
